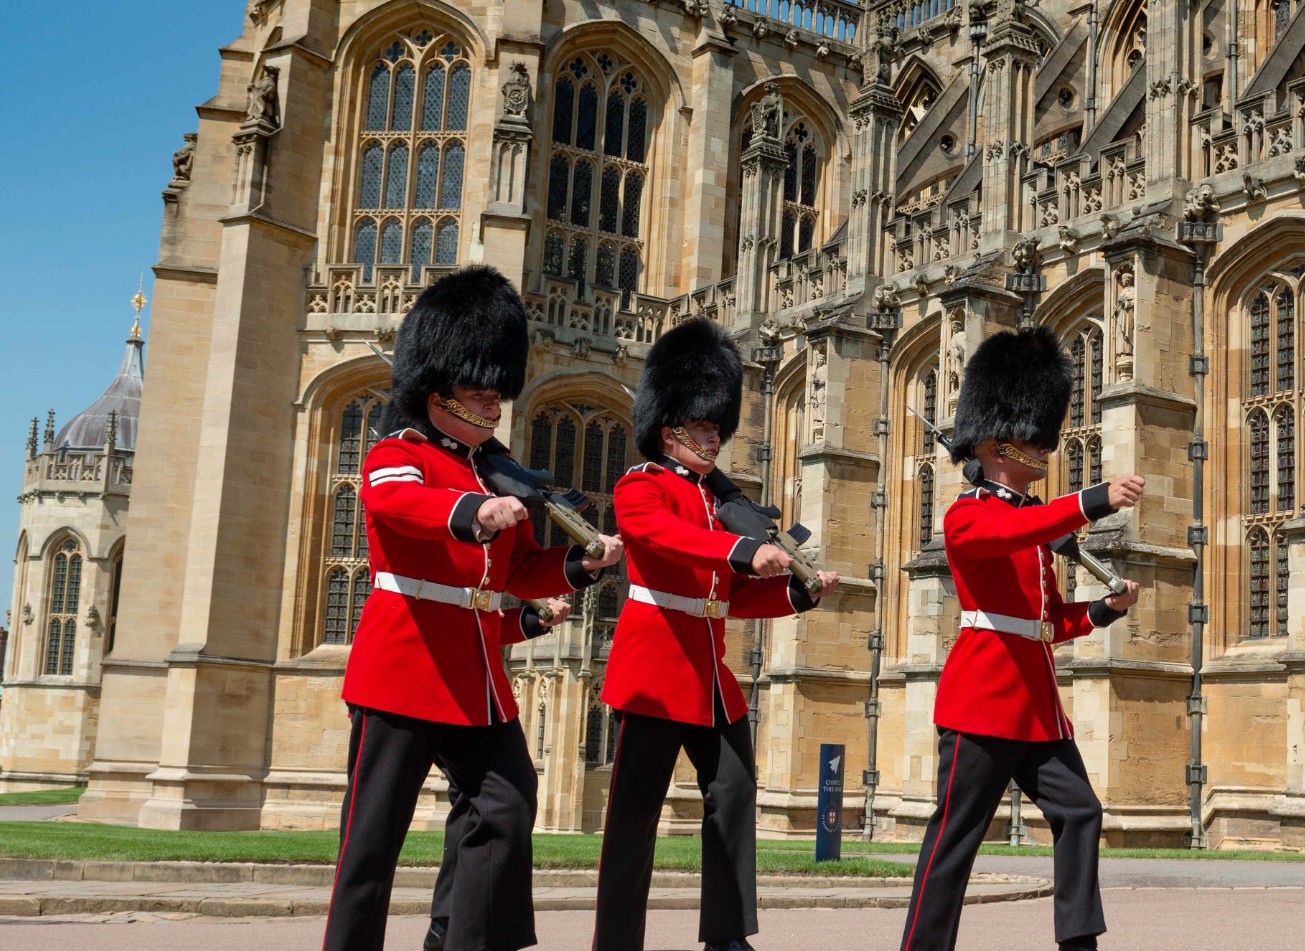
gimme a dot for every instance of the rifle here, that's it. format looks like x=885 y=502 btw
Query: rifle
x=534 y=487
x=1066 y=545
x=742 y=516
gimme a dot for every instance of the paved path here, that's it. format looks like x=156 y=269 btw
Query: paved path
x=36 y=813
x=1257 y=919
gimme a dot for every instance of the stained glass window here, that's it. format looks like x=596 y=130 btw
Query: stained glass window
x=423 y=237
x=65 y=593
x=609 y=207
x=396 y=178
x=347 y=462
x=1286 y=459
x=451 y=176
x=1094 y=460
x=418 y=92
x=378 y=98
x=926 y=504
x=432 y=109
x=1286 y=340
x=1259 y=427
x=1074 y=462
x=806 y=231
x=1259 y=545
x=362 y=589
x=1281 y=18
x=1095 y=343
x=1078 y=357
x=579 y=261
x=564 y=460
x=809 y=176
x=446 y=248
x=391 y=242
x=600 y=127
x=364 y=247
x=342 y=525
x=369 y=192
x=428 y=170
x=582 y=190
x=1282 y=571
x=786 y=235
x=592 y=474
x=1260 y=345
x=459 y=98
x=405 y=94
x=337 y=607
x=930 y=409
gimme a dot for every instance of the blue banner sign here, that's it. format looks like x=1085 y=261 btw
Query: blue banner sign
x=829 y=804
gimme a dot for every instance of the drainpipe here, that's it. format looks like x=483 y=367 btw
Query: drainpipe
x=768 y=357
x=1094 y=25
x=1199 y=235
x=1231 y=52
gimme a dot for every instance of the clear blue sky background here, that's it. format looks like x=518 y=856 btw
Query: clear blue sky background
x=97 y=96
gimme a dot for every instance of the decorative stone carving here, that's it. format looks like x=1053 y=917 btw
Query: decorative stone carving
x=728 y=19
x=1254 y=187
x=540 y=338
x=1199 y=204
x=760 y=29
x=697 y=8
x=582 y=347
x=822 y=51
x=1109 y=225
x=1281 y=143
x=885 y=49
x=1026 y=255
x=921 y=286
x=516 y=91
x=385 y=337
x=956 y=353
x=769 y=332
x=621 y=355
x=260 y=108
x=1299 y=172
x=183 y=160
x=791 y=40
x=1068 y=240
x=768 y=112
x=886 y=297
x=950 y=274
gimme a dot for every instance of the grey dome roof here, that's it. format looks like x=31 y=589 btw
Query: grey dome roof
x=89 y=429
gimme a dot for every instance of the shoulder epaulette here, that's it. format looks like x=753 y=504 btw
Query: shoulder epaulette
x=409 y=434
x=645 y=467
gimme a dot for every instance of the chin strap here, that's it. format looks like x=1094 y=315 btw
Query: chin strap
x=1023 y=458
x=450 y=405
x=688 y=442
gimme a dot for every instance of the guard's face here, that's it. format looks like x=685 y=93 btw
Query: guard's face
x=705 y=434
x=484 y=403
x=1025 y=472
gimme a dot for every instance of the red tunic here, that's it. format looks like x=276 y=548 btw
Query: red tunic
x=667 y=663
x=422 y=658
x=1000 y=684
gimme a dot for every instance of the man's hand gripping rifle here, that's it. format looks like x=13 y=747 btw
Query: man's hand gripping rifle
x=1066 y=546
x=742 y=516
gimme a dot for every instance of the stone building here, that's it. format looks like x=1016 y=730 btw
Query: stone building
x=859 y=194
x=67 y=579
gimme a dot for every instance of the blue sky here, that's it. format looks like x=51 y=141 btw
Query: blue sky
x=97 y=98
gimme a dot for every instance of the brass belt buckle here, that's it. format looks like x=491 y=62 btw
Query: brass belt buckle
x=1046 y=633
x=714 y=609
x=482 y=600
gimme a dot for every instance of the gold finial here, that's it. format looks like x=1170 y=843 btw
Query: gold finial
x=138 y=302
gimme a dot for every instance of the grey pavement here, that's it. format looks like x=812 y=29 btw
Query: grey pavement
x=1175 y=919
x=36 y=813
x=1162 y=873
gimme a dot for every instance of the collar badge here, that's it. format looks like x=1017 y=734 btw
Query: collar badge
x=681 y=470
x=448 y=443
x=1003 y=494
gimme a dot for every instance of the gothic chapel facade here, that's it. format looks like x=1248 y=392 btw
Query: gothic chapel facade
x=859 y=193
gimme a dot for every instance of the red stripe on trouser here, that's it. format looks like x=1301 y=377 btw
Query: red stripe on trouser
x=616 y=763
x=348 y=824
x=942 y=829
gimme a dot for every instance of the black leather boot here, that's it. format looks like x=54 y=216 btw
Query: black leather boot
x=439 y=927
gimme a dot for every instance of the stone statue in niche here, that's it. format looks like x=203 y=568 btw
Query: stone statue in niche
x=516 y=91
x=768 y=112
x=261 y=107
x=1125 y=308
x=956 y=356
x=819 y=386
x=183 y=160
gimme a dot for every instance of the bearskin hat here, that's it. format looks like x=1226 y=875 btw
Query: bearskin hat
x=466 y=329
x=692 y=372
x=1016 y=386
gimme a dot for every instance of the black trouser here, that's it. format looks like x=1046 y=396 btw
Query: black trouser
x=455 y=827
x=973 y=772
x=645 y=761
x=389 y=757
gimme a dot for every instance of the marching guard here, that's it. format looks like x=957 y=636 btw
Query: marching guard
x=666 y=673
x=998 y=709
x=425 y=682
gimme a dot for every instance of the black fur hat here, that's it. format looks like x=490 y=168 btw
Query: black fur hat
x=466 y=329
x=692 y=372
x=1016 y=386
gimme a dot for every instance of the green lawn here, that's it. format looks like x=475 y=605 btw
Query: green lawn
x=80 y=841
x=42 y=797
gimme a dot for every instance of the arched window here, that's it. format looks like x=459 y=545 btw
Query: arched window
x=596 y=177
x=800 y=219
x=925 y=477
x=1259 y=582
x=346 y=578
x=1126 y=28
x=585 y=447
x=1082 y=432
x=115 y=590
x=412 y=154
x=600 y=730
x=1259 y=430
x=929 y=385
x=65 y=596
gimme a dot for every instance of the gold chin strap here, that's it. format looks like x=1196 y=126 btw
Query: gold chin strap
x=1023 y=458
x=688 y=442
x=450 y=405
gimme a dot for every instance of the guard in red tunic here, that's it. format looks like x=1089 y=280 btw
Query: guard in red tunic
x=425 y=681
x=666 y=673
x=998 y=710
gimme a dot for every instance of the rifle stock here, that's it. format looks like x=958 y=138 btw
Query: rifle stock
x=533 y=487
x=742 y=516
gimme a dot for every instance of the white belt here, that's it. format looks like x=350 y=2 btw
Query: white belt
x=470 y=598
x=1024 y=627
x=698 y=607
